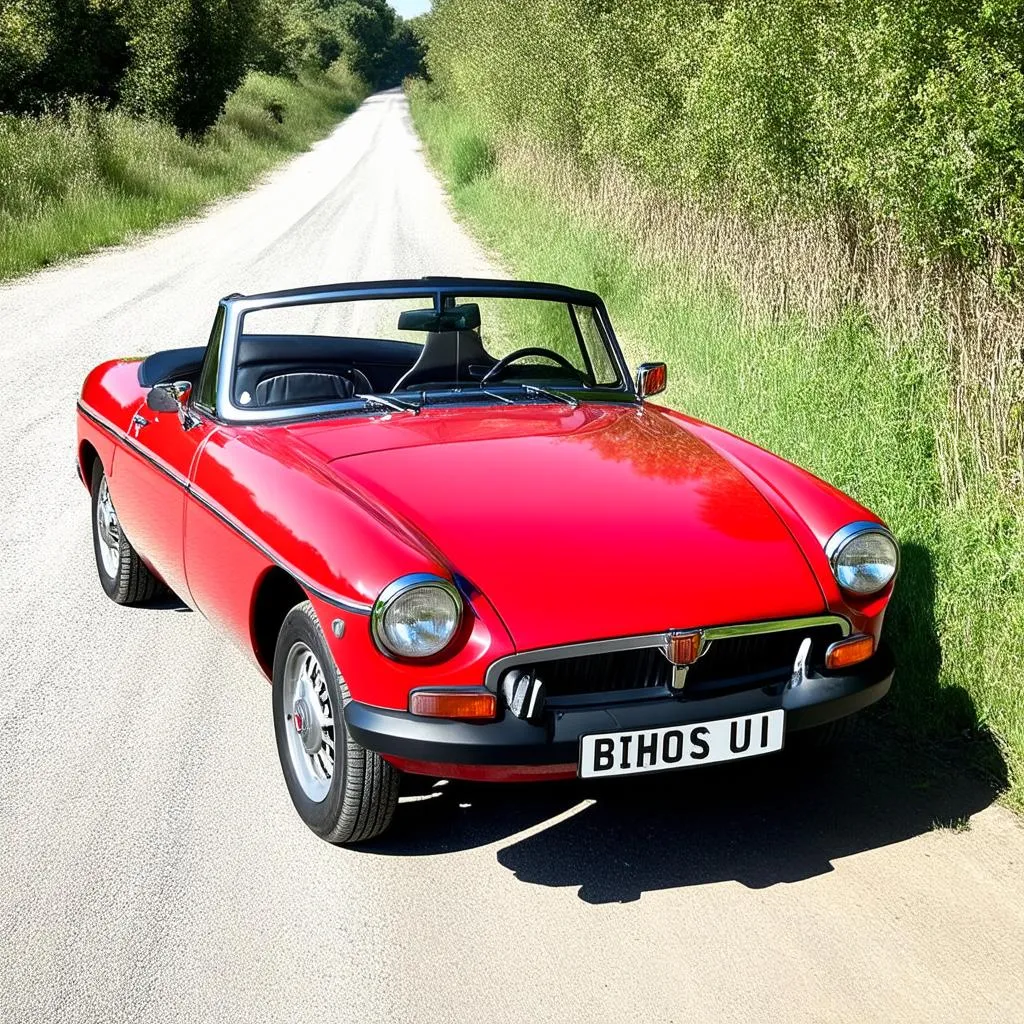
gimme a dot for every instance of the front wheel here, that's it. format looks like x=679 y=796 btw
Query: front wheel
x=342 y=791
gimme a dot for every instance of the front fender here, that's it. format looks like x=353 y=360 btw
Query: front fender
x=811 y=509
x=376 y=679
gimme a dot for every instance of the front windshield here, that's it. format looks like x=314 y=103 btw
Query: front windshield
x=407 y=353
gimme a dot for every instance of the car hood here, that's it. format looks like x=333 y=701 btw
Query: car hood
x=582 y=524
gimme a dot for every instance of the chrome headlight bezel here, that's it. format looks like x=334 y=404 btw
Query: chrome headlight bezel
x=400 y=588
x=840 y=542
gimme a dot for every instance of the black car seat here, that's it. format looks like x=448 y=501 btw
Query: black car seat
x=293 y=388
x=447 y=356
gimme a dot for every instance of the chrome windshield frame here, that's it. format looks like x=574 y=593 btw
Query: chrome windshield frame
x=435 y=288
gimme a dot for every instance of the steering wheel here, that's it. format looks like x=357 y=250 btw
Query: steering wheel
x=506 y=361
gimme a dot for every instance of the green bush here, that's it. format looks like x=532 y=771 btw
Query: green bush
x=379 y=46
x=187 y=57
x=51 y=49
x=88 y=176
x=471 y=156
x=26 y=33
x=902 y=112
x=179 y=60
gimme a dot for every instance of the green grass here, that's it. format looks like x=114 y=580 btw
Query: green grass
x=71 y=184
x=869 y=416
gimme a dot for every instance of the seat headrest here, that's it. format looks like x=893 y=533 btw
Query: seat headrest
x=446 y=356
x=466 y=344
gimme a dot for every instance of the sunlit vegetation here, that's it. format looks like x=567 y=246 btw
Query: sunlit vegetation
x=814 y=215
x=118 y=115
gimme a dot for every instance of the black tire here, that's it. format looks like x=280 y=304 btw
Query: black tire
x=363 y=793
x=132 y=582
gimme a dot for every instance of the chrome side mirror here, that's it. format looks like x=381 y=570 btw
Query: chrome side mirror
x=173 y=398
x=651 y=379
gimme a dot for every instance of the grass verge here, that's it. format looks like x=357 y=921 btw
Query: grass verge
x=844 y=399
x=70 y=184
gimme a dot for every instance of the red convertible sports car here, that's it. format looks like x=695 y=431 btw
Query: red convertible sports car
x=461 y=542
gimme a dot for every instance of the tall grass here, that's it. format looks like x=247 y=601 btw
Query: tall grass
x=74 y=182
x=767 y=333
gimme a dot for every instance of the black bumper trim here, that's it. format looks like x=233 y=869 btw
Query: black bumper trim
x=555 y=740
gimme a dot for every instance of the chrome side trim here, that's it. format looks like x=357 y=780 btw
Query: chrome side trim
x=130 y=442
x=497 y=668
x=346 y=604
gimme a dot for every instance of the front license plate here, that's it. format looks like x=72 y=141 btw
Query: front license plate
x=681 y=746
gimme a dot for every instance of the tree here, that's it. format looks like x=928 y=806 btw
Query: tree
x=188 y=56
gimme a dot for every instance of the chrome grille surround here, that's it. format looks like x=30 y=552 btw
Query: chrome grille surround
x=653 y=643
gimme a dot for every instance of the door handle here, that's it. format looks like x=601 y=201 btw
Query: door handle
x=138 y=422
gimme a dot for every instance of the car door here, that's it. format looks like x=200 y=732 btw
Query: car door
x=152 y=471
x=149 y=486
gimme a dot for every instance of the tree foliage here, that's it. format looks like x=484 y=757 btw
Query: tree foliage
x=906 y=111
x=180 y=59
x=51 y=48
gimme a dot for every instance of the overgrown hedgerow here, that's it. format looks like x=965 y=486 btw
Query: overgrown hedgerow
x=179 y=60
x=89 y=177
x=893 y=109
x=769 y=332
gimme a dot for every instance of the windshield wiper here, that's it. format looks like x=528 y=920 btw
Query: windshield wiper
x=559 y=395
x=500 y=398
x=390 y=403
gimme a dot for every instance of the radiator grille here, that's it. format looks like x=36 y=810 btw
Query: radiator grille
x=728 y=664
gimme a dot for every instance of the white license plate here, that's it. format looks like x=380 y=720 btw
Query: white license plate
x=681 y=746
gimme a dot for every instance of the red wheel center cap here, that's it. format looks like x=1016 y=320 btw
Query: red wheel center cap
x=306 y=726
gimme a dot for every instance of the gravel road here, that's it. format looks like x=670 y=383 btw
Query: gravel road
x=152 y=868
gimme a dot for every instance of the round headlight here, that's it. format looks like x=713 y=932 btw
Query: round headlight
x=416 y=616
x=864 y=557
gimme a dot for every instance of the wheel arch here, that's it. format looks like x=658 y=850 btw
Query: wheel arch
x=276 y=594
x=87 y=458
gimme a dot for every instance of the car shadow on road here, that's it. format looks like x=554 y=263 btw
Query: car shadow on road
x=166 y=601
x=782 y=818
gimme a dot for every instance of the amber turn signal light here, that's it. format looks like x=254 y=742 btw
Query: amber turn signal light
x=848 y=652
x=458 y=702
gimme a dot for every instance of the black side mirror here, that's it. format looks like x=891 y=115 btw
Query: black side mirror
x=162 y=398
x=651 y=379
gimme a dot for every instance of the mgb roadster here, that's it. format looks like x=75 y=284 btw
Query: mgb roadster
x=461 y=541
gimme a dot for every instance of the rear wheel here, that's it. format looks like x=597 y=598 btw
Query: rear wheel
x=125 y=578
x=342 y=791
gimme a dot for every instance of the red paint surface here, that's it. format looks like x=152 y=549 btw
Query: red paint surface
x=591 y=523
x=562 y=525
x=486 y=772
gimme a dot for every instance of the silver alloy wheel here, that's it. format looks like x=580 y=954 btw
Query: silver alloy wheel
x=108 y=530
x=309 y=722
